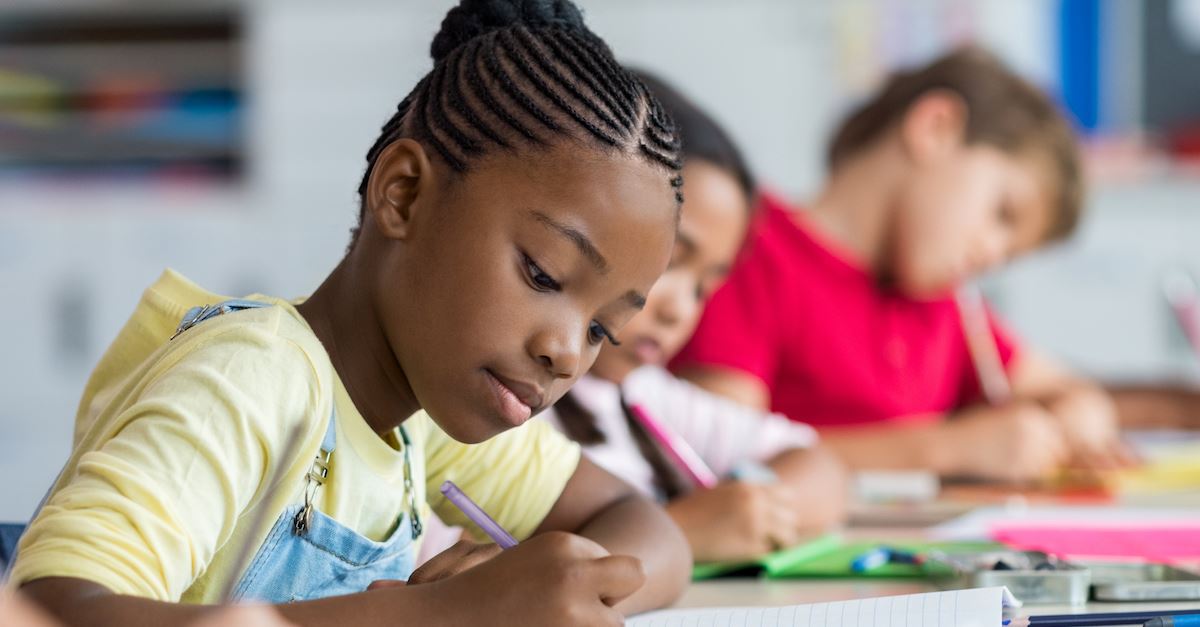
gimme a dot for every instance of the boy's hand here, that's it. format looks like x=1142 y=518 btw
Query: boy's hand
x=1018 y=442
x=737 y=520
x=1090 y=422
x=554 y=578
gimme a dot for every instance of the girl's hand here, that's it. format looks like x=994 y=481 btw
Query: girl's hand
x=737 y=520
x=1017 y=442
x=554 y=578
x=463 y=555
x=820 y=487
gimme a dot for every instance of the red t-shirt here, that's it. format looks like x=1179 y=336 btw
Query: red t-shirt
x=833 y=347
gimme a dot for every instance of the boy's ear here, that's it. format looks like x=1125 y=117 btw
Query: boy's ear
x=934 y=125
x=400 y=175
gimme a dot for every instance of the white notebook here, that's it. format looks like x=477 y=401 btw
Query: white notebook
x=977 y=607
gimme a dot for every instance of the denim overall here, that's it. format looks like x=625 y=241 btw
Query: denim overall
x=307 y=554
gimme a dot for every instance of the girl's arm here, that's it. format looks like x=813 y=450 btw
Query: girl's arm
x=723 y=432
x=600 y=507
x=818 y=486
x=737 y=520
x=552 y=579
x=81 y=602
x=738 y=385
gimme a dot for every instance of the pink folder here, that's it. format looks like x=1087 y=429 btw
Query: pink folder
x=1167 y=542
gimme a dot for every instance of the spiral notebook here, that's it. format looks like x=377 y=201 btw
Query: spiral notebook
x=976 y=607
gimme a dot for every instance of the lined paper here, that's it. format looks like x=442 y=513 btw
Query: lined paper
x=979 y=607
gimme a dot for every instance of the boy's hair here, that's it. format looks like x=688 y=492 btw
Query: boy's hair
x=1003 y=110
x=703 y=138
x=511 y=74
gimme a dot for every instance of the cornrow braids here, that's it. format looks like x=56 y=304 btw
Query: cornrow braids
x=520 y=74
x=484 y=94
x=553 y=74
x=565 y=49
x=703 y=137
x=459 y=99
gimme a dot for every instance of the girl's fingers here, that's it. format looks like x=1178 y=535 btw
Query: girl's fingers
x=386 y=583
x=616 y=577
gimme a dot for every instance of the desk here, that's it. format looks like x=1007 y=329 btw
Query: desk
x=763 y=592
x=751 y=592
x=745 y=592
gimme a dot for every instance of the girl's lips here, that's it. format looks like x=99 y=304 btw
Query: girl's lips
x=511 y=406
x=515 y=399
x=648 y=350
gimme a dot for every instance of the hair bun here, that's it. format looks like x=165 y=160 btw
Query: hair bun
x=472 y=18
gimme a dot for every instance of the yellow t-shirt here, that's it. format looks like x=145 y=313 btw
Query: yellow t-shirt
x=174 y=441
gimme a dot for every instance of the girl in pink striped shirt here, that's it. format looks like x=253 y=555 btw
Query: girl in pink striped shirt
x=737 y=518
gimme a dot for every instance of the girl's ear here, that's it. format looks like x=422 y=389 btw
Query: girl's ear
x=401 y=174
x=934 y=126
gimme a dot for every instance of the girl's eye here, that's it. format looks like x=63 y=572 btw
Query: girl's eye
x=597 y=333
x=1006 y=215
x=541 y=281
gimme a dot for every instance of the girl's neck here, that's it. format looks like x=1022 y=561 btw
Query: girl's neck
x=342 y=316
x=854 y=208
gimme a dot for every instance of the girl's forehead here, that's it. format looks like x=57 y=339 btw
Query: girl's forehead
x=572 y=179
x=615 y=208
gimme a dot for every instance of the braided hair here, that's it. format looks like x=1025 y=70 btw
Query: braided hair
x=519 y=74
x=704 y=140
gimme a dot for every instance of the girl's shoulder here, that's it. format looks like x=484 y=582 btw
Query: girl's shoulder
x=268 y=339
x=180 y=318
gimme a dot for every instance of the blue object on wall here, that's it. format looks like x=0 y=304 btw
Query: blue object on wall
x=1079 y=60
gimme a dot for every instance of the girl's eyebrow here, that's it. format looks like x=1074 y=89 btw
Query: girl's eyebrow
x=577 y=237
x=581 y=241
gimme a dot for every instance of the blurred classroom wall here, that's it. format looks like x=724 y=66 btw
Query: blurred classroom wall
x=317 y=79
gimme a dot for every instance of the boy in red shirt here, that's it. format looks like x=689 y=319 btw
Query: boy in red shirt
x=844 y=317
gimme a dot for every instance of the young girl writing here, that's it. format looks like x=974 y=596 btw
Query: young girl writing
x=844 y=317
x=515 y=212
x=735 y=519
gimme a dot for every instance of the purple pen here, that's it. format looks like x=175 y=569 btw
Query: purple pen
x=478 y=516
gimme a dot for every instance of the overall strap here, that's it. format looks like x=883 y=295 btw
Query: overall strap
x=317 y=474
x=196 y=315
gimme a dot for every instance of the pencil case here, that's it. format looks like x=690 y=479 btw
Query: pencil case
x=1034 y=577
